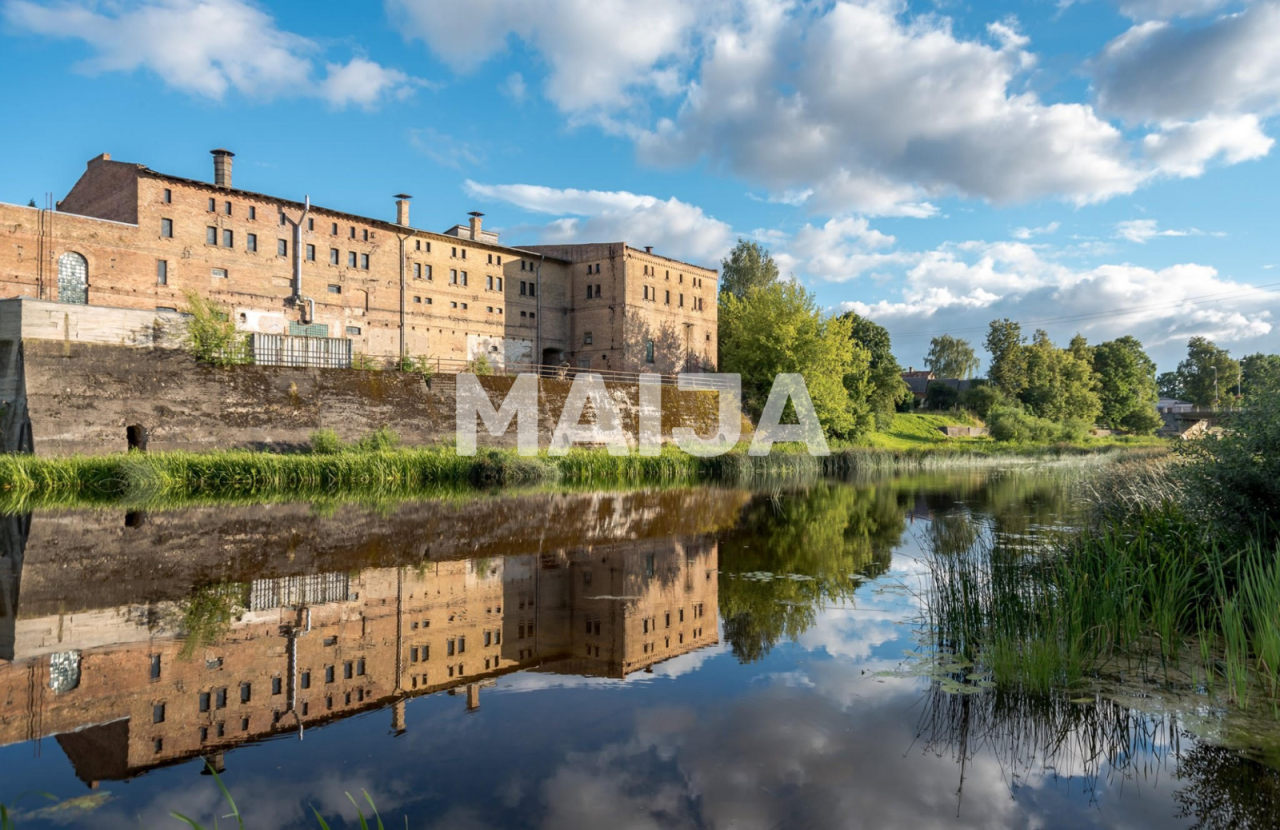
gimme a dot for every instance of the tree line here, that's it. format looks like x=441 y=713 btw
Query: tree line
x=1033 y=390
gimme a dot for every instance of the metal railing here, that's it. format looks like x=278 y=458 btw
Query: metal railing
x=457 y=366
x=309 y=352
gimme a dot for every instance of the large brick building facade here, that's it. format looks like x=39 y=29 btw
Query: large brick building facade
x=130 y=237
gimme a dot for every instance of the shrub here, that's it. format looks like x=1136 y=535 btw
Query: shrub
x=362 y=361
x=981 y=398
x=211 y=335
x=1235 y=479
x=326 y=442
x=382 y=438
x=481 y=366
x=1009 y=423
x=940 y=396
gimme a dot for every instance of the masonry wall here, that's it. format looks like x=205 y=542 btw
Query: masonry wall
x=80 y=398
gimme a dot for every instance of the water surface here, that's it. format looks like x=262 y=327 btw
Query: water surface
x=704 y=657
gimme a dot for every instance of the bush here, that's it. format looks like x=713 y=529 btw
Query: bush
x=481 y=366
x=326 y=442
x=381 y=439
x=982 y=398
x=1235 y=479
x=1008 y=423
x=940 y=396
x=211 y=336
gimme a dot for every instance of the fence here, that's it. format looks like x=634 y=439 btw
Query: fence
x=313 y=352
x=692 y=380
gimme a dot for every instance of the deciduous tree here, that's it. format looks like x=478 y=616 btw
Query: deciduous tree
x=951 y=357
x=886 y=388
x=1008 y=367
x=1209 y=374
x=748 y=266
x=1126 y=386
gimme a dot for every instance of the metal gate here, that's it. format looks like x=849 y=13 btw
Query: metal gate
x=315 y=352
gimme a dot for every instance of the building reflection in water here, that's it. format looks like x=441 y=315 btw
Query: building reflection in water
x=123 y=693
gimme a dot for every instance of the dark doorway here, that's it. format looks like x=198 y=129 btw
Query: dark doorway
x=137 y=436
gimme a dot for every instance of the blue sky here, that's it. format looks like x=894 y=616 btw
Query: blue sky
x=1103 y=167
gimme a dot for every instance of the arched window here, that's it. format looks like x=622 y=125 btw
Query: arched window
x=73 y=279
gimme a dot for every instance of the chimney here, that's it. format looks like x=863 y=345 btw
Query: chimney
x=98 y=158
x=222 y=167
x=475 y=224
x=402 y=209
x=648 y=249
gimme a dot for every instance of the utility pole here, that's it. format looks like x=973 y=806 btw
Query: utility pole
x=1216 y=401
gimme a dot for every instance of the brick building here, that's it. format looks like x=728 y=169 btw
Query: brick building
x=127 y=236
x=115 y=688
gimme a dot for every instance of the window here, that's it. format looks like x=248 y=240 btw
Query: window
x=453 y=276
x=586 y=338
x=463 y=274
x=253 y=212
x=417 y=244
x=348 y=670
x=166 y=228
x=360 y=667
x=311 y=224
x=488 y=282
x=305 y=680
x=355 y=330
x=499 y=259
x=220 y=699
x=417 y=270
x=597 y=290
x=155 y=667
x=426 y=270
x=366 y=235
x=490 y=259
x=157 y=716
x=682 y=300
x=246 y=692
x=168 y=196
x=532 y=290
x=667 y=301
x=282 y=219
x=499 y=310
x=218 y=273
x=353 y=231
x=453 y=252
x=162 y=272
x=453 y=305
x=351 y=259
x=251 y=242
x=333 y=256
x=282 y=247
x=328 y=674
x=213 y=205
x=499 y=283
x=417 y=299
x=524 y=286
x=211 y=235
x=648 y=351
x=335 y=289
x=464 y=306
x=489 y=309
x=226 y=208
x=450 y=647
x=166 y=309
x=205 y=700
x=228 y=239
x=277 y=685
x=335 y=229
x=364 y=261
x=589 y=290
x=311 y=253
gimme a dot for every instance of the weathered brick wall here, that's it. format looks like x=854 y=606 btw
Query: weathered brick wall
x=80 y=398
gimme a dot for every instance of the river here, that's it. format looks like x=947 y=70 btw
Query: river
x=685 y=657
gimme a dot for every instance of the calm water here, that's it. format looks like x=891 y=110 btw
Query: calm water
x=671 y=658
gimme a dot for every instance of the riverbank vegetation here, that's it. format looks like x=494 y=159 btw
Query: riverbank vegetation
x=1175 y=576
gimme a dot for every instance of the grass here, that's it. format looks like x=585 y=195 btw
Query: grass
x=914 y=430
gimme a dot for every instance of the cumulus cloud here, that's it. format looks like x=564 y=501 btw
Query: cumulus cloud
x=1228 y=66
x=208 y=48
x=598 y=52
x=675 y=228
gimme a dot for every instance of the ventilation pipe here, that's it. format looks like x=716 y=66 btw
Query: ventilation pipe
x=298 y=298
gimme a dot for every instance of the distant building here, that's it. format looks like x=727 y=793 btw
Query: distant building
x=1170 y=405
x=920 y=381
x=130 y=237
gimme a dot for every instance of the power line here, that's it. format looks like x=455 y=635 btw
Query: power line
x=1115 y=312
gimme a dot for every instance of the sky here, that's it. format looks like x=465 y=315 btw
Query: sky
x=1106 y=168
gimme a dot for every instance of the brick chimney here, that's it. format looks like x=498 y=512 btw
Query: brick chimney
x=475 y=224
x=222 y=167
x=648 y=249
x=402 y=209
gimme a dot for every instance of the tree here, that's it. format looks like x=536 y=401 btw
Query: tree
x=951 y=357
x=1169 y=385
x=1208 y=374
x=748 y=266
x=779 y=329
x=1059 y=386
x=1259 y=375
x=1008 y=367
x=1127 y=386
x=886 y=388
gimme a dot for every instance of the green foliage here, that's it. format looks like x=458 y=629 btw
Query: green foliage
x=1059 y=385
x=211 y=335
x=885 y=389
x=364 y=362
x=952 y=358
x=1012 y=423
x=941 y=396
x=480 y=365
x=1008 y=368
x=780 y=329
x=207 y=615
x=381 y=439
x=980 y=398
x=1234 y=480
x=748 y=266
x=1169 y=385
x=1259 y=375
x=1208 y=375
x=326 y=442
x=1126 y=386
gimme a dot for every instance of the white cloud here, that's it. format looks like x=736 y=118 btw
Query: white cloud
x=1168 y=9
x=675 y=228
x=1157 y=72
x=1140 y=230
x=514 y=87
x=839 y=250
x=1184 y=148
x=598 y=52
x=1027 y=233
x=208 y=48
